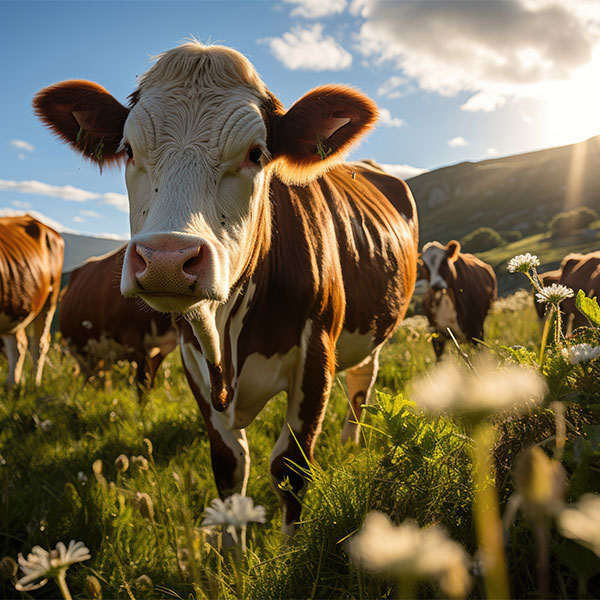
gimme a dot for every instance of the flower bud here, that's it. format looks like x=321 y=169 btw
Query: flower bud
x=140 y=462
x=8 y=567
x=143 y=503
x=143 y=585
x=122 y=463
x=92 y=588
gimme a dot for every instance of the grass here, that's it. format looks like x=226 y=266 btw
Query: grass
x=408 y=466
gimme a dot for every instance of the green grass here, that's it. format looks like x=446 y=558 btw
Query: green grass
x=408 y=466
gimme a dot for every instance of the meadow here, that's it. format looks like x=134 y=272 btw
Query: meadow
x=142 y=521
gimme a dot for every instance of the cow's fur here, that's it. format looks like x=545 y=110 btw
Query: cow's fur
x=461 y=291
x=284 y=262
x=31 y=259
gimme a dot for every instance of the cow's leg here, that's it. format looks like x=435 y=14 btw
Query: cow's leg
x=438 y=346
x=360 y=380
x=41 y=337
x=229 y=451
x=16 y=349
x=307 y=400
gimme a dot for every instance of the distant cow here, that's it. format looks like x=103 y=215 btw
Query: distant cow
x=31 y=259
x=101 y=327
x=461 y=290
x=284 y=262
x=579 y=272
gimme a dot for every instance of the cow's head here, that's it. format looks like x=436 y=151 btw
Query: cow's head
x=438 y=263
x=200 y=139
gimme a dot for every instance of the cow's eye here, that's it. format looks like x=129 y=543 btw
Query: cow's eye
x=255 y=155
x=128 y=150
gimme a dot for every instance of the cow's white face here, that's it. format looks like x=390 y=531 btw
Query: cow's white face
x=435 y=259
x=195 y=176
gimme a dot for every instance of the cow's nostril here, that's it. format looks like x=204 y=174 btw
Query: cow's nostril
x=193 y=265
x=138 y=261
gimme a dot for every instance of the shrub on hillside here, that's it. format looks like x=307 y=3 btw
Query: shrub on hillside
x=514 y=235
x=567 y=222
x=481 y=239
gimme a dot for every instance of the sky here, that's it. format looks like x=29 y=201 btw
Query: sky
x=455 y=80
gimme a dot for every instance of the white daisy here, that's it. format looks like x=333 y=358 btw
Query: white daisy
x=236 y=511
x=522 y=263
x=41 y=564
x=581 y=522
x=580 y=353
x=554 y=294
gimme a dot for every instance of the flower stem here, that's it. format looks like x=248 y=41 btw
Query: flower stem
x=62 y=584
x=487 y=514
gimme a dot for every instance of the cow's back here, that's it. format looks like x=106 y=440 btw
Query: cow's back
x=476 y=289
x=31 y=258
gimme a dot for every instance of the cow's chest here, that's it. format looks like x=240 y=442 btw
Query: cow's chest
x=445 y=316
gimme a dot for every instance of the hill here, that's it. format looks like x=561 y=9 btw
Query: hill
x=515 y=193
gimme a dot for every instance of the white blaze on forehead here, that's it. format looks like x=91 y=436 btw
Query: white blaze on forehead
x=434 y=255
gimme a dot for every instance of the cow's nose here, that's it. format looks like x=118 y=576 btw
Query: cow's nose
x=187 y=262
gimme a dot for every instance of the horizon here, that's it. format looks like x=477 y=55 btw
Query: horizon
x=507 y=77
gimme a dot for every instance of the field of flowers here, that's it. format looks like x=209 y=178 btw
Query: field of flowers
x=475 y=478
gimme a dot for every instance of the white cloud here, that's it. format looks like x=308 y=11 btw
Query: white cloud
x=22 y=145
x=91 y=213
x=492 y=152
x=315 y=9
x=20 y=204
x=9 y=212
x=66 y=192
x=389 y=88
x=309 y=50
x=502 y=49
x=457 y=142
x=78 y=219
x=485 y=101
x=402 y=171
x=385 y=118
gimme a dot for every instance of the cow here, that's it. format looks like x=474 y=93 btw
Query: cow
x=31 y=260
x=461 y=291
x=100 y=326
x=578 y=272
x=284 y=261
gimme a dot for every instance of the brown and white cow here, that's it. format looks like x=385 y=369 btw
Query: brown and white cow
x=461 y=291
x=284 y=262
x=31 y=259
x=100 y=326
x=578 y=272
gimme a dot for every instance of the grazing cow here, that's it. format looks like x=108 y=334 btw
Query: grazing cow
x=284 y=262
x=100 y=326
x=31 y=259
x=579 y=272
x=461 y=290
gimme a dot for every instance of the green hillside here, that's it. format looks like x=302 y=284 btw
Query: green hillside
x=516 y=193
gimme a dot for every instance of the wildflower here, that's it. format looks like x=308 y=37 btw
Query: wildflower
x=236 y=511
x=581 y=353
x=449 y=387
x=41 y=564
x=407 y=551
x=522 y=263
x=92 y=588
x=582 y=522
x=541 y=483
x=554 y=294
x=143 y=503
x=122 y=463
x=82 y=477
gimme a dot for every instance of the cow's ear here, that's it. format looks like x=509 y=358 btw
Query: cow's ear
x=86 y=116
x=452 y=250
x=318 y=130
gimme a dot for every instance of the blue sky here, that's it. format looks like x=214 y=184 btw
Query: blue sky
x=455 y=80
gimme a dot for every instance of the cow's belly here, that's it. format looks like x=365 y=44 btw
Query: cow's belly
x=352 y=348
x=445 y=316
